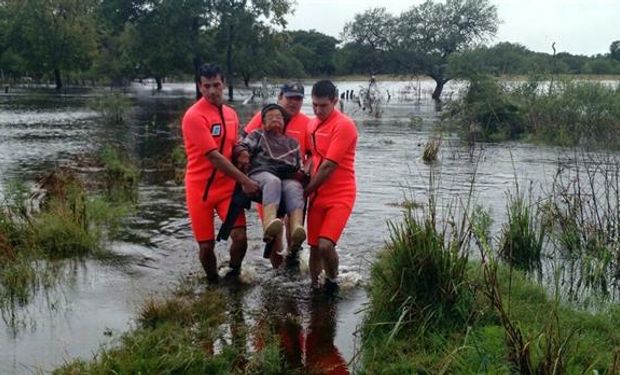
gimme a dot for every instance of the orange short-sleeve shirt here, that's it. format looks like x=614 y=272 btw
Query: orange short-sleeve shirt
x=207 y=127
x=335 y=139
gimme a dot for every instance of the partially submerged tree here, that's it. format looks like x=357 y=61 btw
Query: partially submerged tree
x=424 y=37
x=233 y=19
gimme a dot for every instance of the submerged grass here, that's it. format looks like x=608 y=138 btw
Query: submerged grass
x=113 y=107
x=121 y=176
x=179 y=335
x=60 y=220
x=524 y=234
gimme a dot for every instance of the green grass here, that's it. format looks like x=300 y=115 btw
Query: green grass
x=121 y=176
x=485 y=318
x=177 y=335
x=113 y=107
x=480 y=347
x=38 y=231
x=570 y=113
x=524 y=234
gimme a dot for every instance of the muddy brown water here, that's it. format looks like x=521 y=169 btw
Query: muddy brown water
x=96 y=302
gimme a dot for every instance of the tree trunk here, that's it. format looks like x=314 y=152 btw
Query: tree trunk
x=158 y=81
x=229 y=65
x=438 y=88
x=246 y=80
x=197 y=57
x=57 y=79
x=197 y=64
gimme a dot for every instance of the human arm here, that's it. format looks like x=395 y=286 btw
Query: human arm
x=220 y=162
x=343 y=138
x=244 y=148
x=326 y=169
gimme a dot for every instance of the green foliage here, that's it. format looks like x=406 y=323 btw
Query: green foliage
x=486 y=112
x=53 y=36
x=448 y=28
x=566 y=113
x=177 y=335
x=574 y=341
x=59 y=221
x=431 y=149
x=614 y=50
x=523 y=236
x=120 y=176
x=114 y=107
x=421 y=273
x=315 y=50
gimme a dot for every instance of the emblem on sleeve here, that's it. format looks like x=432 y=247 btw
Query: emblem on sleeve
x=216 y=130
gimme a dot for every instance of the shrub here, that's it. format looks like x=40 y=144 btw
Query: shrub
x=423 y=272
x=524 y=234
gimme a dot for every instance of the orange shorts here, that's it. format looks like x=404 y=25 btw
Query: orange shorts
x=327 y=221
x=202 y=213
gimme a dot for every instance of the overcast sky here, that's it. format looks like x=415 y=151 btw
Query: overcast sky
x=577 y=26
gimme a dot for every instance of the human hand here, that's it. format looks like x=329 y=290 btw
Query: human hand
x=302 y=177
x=243 y=161
x=250 y=187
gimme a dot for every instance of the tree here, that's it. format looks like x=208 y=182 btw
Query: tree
x=167 y=37
x=53 y=35
x=373 y=32
x=614 y=50
x=424 y=37
x=117 y=21
x=314 y=49
x=233 y=19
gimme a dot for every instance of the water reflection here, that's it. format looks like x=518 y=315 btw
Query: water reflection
x=305 y=328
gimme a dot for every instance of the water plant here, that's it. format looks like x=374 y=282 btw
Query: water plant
x=113 y=107
x=120 y=175
x=566 y=113
x=431 y=150
x=178 y=334
x=524 y=234
x=58 y=220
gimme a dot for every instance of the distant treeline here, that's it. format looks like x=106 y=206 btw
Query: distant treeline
x=117 y=41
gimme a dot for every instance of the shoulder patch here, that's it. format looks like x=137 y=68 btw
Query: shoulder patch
x=216 y=130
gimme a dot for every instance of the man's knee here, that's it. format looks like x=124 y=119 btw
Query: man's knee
x=238 y=235
x=206 y=246
x=326 y=246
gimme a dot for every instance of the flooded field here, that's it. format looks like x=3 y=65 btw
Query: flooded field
x=96 y=302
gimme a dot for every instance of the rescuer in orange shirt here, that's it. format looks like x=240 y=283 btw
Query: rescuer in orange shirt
x=332 y=188
x=209 y=134
x=291 y=98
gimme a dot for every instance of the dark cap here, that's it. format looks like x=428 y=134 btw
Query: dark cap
x=293 y=88
x=271 y=106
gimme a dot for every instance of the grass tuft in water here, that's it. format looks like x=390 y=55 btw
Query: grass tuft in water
x=418 y=282
x=179 y=334
x=523 y=236
x=431 y=150
x=113 y=107
x=120 y=175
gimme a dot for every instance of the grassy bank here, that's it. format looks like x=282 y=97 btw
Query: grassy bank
x=184 y=334
x=552 y=111
x=558 y=339
x=434 y=310
x=58 y=220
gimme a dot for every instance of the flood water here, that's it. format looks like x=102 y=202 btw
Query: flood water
x=97 y=302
